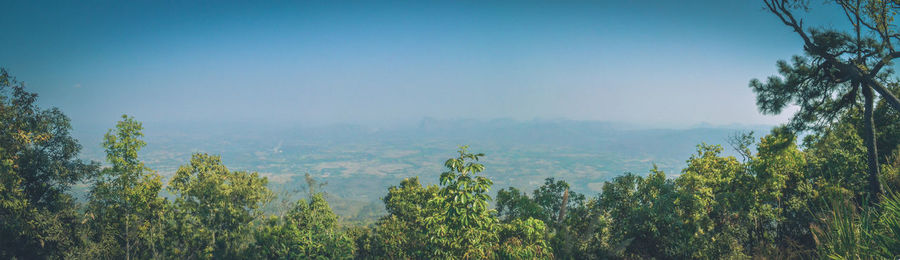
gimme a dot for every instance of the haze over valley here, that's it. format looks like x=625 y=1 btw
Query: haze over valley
x=360 y=162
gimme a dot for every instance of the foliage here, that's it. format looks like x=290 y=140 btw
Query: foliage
x=780 y=200
x=524 y=239
x=887 y=121
x=849 y=232
x=460 y=224
x=402 y=233
x=513 y=204
x=125 y=207
x=308 y=231
x=839 y=72
x=837 y=158
x=567 y=226
x=38 y=164
x=641 y=214
x=451 y=221
x=213 y=208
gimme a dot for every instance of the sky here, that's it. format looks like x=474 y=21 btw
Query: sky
x=378 y=62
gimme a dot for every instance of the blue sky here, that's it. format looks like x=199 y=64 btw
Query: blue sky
x=311 y=62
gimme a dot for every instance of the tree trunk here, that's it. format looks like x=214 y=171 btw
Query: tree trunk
x=875 y=188
x=561 y=226
x=127 y=240
x=562 y=208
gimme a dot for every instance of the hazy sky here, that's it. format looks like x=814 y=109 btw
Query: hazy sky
x=665 y=62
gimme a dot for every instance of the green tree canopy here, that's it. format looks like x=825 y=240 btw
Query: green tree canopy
x=38 y=164
x=213 y=206
x=839 y=71
x=462 y=225
x=125 y=207
x=307 y=231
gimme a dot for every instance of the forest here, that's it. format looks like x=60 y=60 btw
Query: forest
x=824 y=185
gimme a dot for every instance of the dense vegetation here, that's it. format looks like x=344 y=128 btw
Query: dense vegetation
x=779 y=199
x=830 y=195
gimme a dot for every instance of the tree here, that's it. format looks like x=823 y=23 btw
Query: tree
x=835 y=158
x=524 y=239
x=644 y=218
x=451 y=221
x=38 y=164
x=554 y=198
x=213 y=207
x=887 y=121
x=308 y=231
x=402 y=233
x=780 y=195
x=712 y=201
x=835 y=68
x=125 y=207
x=562 y=211
x=461 y=224
x=513 y=204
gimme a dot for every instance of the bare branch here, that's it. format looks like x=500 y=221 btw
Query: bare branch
x=884 y=92
x=882 y=62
